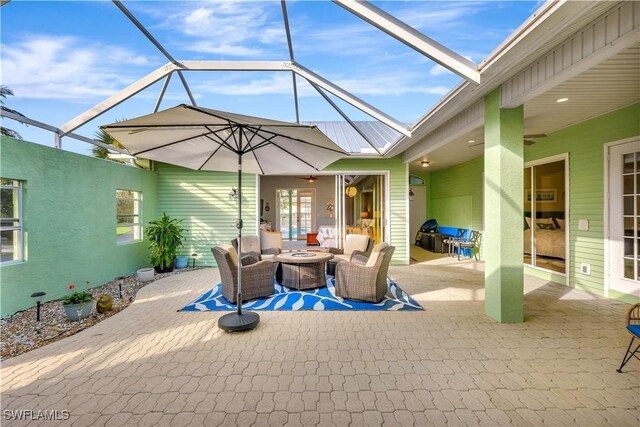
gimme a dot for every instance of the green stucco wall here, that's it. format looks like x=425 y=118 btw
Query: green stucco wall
x=201 y=200
x=455 y=195
x=398 y=197
x=585 y=144
x=69 y=217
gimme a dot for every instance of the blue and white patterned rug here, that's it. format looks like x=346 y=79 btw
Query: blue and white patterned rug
x=324 y=298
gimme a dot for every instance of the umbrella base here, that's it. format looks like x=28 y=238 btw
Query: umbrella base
x=234 y=322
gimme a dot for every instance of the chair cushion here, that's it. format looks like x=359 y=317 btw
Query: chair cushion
x=355 y=242
x=376 y=253
x=250 y=244
x=270 y=240
x=634 y=329
x=232 y=253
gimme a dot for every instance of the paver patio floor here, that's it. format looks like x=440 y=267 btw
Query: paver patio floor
x=448 y=365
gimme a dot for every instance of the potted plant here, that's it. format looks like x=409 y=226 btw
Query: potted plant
x=165 y=237
x=78 y=305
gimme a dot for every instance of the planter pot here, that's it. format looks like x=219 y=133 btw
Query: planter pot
x=77 y=312
x=181 y=262
x=145 y=274
x=167 y=269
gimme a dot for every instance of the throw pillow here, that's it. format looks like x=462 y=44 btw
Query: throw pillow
x=545 y=226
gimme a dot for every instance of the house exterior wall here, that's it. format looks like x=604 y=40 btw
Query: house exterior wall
x=584 y=143
x=456 y=195
x=398 y=197
x=201 y=200
x=69 y=219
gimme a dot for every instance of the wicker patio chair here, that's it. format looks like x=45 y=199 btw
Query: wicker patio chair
x=354 y=244
x=633 y=326
x=364 y=278
x=257 y=277
x=262 y=249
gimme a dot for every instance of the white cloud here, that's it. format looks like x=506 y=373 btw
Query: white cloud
x=438 y=70
x=229 y=28
x=223 y=49
x=392 y=84
x=49 y=67
x=389 y=84
x=275 y=84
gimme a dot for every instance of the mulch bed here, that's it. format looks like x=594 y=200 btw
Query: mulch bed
x=21 y=332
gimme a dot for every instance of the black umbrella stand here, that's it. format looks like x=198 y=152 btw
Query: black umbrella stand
x=239 y=321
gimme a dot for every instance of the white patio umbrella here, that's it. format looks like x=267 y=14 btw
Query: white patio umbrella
x=204 y=139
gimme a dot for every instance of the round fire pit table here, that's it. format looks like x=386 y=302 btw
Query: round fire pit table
x=303 y=270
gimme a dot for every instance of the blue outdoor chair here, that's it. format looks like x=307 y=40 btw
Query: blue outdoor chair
x=633 y=326
x=451 y=240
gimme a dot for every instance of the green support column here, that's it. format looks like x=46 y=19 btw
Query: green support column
x=503 y=207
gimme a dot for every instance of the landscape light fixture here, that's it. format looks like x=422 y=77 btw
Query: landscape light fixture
x=193 y=257
x=120 y=280
x=37 y=297
x=424 y=163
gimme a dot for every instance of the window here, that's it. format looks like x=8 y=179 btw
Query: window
x=128 y=208
x=11 y=220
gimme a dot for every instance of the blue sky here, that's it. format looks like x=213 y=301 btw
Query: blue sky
x=62 y=57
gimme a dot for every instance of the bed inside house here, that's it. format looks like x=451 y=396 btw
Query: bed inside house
x=548 y=232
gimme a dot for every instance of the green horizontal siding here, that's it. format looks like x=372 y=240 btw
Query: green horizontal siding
x=456 y=184
x=585 y=144
x=201 y=200
x=398 y=197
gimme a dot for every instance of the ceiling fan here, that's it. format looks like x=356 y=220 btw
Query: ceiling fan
x=310 y=178
x=528 y=139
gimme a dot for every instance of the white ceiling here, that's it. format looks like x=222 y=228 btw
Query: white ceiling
x=608 y=86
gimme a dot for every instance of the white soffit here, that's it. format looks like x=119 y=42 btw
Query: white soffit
x=611 y=85
x=596 y=90
x=553 y=22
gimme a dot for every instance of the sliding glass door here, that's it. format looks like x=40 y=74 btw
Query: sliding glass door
x=361 y=206
x=545 y=215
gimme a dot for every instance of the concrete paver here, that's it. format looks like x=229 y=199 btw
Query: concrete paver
x=447 y=365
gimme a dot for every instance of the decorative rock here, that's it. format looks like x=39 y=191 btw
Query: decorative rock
x=104 y=303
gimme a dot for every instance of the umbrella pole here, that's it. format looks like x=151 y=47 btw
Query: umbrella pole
x=239 y=227
x=238 y=321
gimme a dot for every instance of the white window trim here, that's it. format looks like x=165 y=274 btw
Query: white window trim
x=567 y=250
x=606 y=215
x=20 y=227
x=132 y=224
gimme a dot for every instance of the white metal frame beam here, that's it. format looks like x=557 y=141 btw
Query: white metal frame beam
x=156 y=43
x=163 y=71
x=285 y=17
x=413 y=38
x=162 y=92
x=58 y=132
x=361 y=105
x=344 y=116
